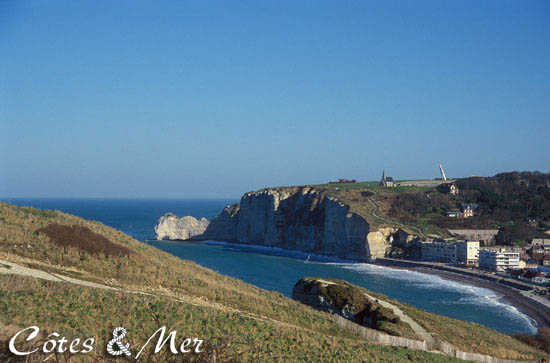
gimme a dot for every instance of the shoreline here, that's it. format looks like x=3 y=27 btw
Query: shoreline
x=533 y=309
x=524 y=304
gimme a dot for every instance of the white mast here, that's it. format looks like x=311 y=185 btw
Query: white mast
x=443 y=177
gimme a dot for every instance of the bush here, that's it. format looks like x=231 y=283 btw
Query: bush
x=84 y=239
x=517 y=234
x=503 y=198
x=540 y=341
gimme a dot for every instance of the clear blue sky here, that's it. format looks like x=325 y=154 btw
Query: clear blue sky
x=215 y=98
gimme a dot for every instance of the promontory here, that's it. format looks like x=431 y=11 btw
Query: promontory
x=307 y=219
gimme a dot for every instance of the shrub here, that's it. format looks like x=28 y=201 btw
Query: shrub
x=367 y=193
x=540 y=341
x=84 y=239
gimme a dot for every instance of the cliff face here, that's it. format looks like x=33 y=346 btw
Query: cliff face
x=299 y=218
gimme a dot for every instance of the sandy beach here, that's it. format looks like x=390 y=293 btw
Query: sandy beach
x=524 y=304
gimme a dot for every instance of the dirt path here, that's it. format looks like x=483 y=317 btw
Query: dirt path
x=375 y=214
x=418 y=330
x=7 y=267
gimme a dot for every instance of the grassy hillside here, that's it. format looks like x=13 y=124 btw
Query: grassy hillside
x=237 y=320
x=374 y=204
x=505 y=201
x=465 y=335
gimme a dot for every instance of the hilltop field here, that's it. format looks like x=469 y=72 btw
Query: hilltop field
x=84 y=279
x=516 y=203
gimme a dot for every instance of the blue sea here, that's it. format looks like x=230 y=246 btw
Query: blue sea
x=278 y=270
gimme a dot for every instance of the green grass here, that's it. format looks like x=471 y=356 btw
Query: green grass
x=429 y=228
x=350 y=193
x=72 y=311
x=373 y=185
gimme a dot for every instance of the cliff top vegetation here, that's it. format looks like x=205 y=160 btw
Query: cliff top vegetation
x=518 y=203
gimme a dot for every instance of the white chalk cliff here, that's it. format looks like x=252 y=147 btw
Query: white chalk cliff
x=299 y=218
x=171 y=227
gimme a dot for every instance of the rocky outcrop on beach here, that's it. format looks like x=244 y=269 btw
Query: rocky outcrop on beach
x=298 y=218
x=342 y=298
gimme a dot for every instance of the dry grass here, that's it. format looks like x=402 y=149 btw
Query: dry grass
x=288 y=323
x=147 y=269
x=468 y=336
x=75 y=311
x=540 y=341
x=82 y=238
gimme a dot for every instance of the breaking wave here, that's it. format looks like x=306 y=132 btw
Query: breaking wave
x=471 y=295
x=456 y=296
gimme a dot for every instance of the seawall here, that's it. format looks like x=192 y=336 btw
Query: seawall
x=390 y=262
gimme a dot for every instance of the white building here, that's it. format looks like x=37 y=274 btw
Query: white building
x=498 y=260
x=468 y=209
x=438 y=252
x=453 y=189
x=467 y=252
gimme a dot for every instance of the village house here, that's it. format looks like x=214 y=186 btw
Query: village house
x=453 y=189
x=540 y=245
x=540 y=242
x=448 y=188
x=546 y=260
x=532 y=221
x=468 y=209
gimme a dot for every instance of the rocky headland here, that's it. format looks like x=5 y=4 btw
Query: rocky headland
x=295 y=218
x=342 y=298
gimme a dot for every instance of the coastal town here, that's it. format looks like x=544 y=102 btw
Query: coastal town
x=516 y=273
x=476 y=252
x=528 y=267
